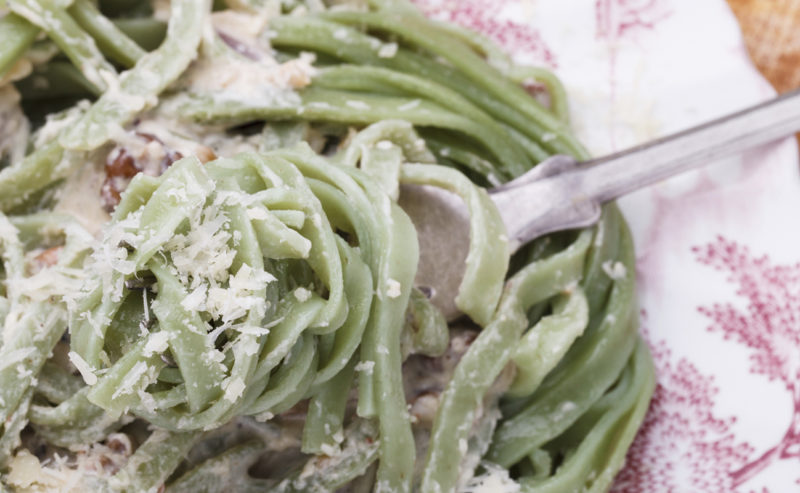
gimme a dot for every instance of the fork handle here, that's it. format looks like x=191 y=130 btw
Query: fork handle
x=562 y=194
x=615 y=175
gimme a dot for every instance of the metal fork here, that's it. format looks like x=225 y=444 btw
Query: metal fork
x=561 y=193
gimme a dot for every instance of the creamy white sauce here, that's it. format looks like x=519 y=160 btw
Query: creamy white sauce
x=80 y=196
x=14 y=127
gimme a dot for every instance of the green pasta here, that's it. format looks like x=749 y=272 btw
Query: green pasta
x=207 y=282
x=111 y=40
x=16 y=35
x=73 y=41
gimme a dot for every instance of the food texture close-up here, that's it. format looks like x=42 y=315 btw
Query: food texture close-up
x=290 y=246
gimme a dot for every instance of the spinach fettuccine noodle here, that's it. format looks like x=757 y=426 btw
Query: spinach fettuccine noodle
x=207 y=283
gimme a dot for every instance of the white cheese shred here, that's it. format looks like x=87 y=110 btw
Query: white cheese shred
x=83 y=367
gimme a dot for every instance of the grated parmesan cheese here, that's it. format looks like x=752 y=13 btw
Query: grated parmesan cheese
x=131 y=379
x=157 y=343
x=329 y=450
x=195 y=301
x=410 y=106
x=83 y=368
x=393 y=288
x=302 y=294
x=365 y=366
x=359 y=105
x=148 y=401
x=241 y=295
x=549 y=136
x=203 y=252
x=212 y=355
x=16 y=356
x=384 y=145
x=257 y=213
x=233 y=389
x=264 y=417
x=615 y=270
x=387 y=50
x=494 y=480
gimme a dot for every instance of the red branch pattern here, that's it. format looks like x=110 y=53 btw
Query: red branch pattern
x=483 y=16
x=769 y=326
x=616 y=19
x=682 y=444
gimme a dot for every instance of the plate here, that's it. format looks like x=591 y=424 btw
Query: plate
x=718 y=249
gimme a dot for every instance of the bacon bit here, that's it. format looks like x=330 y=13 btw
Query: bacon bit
x=297 y=76
x=205 y=154
x=47 y=258
x=122 y=165
x=107 y=464
x=120 y=168
x=118 y=445
x=322 y=460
